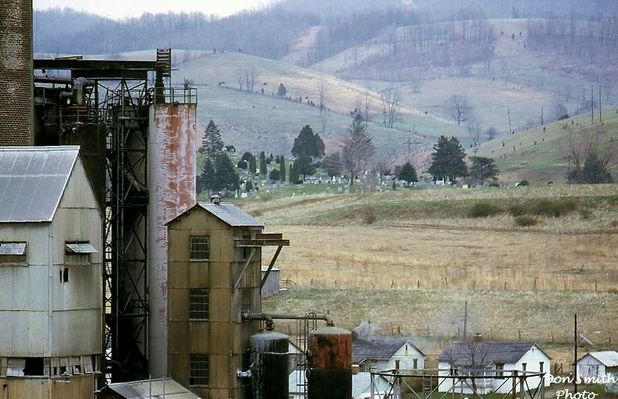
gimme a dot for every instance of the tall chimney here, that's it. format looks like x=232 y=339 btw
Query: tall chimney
x=16 y=82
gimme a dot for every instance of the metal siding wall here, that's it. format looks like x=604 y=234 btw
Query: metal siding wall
x=16 y=83
x=171 y=182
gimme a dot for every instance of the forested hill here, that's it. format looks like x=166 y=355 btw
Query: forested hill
x=272 y=32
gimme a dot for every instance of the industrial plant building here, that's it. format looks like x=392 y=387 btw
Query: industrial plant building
x=51 y=271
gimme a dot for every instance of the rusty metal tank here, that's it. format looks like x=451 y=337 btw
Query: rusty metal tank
x=270 y=365
x=330 y=364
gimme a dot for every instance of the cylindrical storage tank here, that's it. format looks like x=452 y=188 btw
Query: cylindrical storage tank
x=16 y=82
x=330 y=364
x=270 y=365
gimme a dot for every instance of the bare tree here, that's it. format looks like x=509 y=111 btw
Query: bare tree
x=583 y=145
x=459 y=108
x=322 y=96
x=240 y=78
x=473 y=128
x=390 y=104
x=251 y=77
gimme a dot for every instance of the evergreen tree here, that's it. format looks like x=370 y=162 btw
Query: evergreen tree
x=274 y=175
x=483 y=168
x=281 y=91
x=263 y=164
x=282 y=168
x=242 y=164
x=308 y=144
x=357 y=148
x=226 y=179
x=246 y=156
x=304 y=166
x=332 y=164
x=212 y=142
x=253 y=164
x=594 y=171
x=408 y=173
x=293 y=174
x=448 y=159
x=205 y=180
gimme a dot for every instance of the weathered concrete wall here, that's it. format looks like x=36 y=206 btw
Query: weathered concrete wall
x=172 y=152
x=16 y=83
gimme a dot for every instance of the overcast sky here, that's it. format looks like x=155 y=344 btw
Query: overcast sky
x=133 y=8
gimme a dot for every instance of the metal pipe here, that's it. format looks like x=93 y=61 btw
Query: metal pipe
x=270 y=317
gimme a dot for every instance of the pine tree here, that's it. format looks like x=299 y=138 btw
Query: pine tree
x=357 y=148
x=308 y=144
x=282 y=168
x=293 y=175
x=225 y=179
x=205 y=180
x=332 y=164
x=253 y=164
x=483 y=168
x=448 y=159
x=263 y=169
x=212 y=142
x=408 y=173
x=281 y=91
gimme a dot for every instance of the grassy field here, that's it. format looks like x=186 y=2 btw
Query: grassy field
x=540 y=155
x=264 y=121
x=410 y=268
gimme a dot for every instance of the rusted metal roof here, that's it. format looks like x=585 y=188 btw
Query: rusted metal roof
x=232 y=215
x=152 y=389
x=32 y=181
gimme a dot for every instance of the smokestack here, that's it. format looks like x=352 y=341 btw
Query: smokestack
x=16 y=82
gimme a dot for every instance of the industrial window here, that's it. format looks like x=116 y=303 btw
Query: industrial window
x=198 y=370
x=198 y=304
x=13 y=253
x=499 y=369
x=199 y=248
x=34 y=366
x=78 y=252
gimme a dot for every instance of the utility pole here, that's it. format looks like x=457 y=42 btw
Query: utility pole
x=575 y=359
x=542 y=122
x=508 y=111
x=465 y=329
x=592 y=103
x=600 y=108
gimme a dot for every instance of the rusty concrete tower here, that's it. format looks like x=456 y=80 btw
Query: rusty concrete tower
x=16 y=82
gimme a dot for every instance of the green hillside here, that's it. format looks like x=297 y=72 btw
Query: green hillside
x=261 y=120
x=541 y=155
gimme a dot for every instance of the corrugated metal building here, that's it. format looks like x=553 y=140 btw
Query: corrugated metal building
x=215 y=254
x=146 y=389
x=51 y=274
x=16 y=81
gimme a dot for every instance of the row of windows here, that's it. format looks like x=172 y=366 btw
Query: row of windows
x=198 y=370
x=15 y=253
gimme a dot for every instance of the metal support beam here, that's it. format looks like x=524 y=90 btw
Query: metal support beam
x=270 y=266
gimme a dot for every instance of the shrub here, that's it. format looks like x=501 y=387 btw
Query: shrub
x=525 y=221
x=585 y=213
x=517 y=210
x=483 y=209
x=613 y=224
x=523 y=183
x=369 y=214
x=557 y=208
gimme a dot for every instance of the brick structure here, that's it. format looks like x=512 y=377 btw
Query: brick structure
x=16 y=83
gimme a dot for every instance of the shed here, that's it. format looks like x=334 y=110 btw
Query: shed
x=598 y=365
x=271 y=285
x=147 y=389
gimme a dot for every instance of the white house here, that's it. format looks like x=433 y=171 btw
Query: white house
x=383 y=353
x=598 y=365
x=499 y=361
x=51 y=273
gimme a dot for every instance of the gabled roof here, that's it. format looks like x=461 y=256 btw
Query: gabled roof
x=147 y=389
x=228 y=213
x=483 y=353
x=32 y=181
x=377 y=348
x=607 y=358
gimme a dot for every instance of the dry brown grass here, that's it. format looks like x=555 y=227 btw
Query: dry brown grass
x=412 y=275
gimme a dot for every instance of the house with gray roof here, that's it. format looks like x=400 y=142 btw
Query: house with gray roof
x=382 y=353
x=498 y=361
